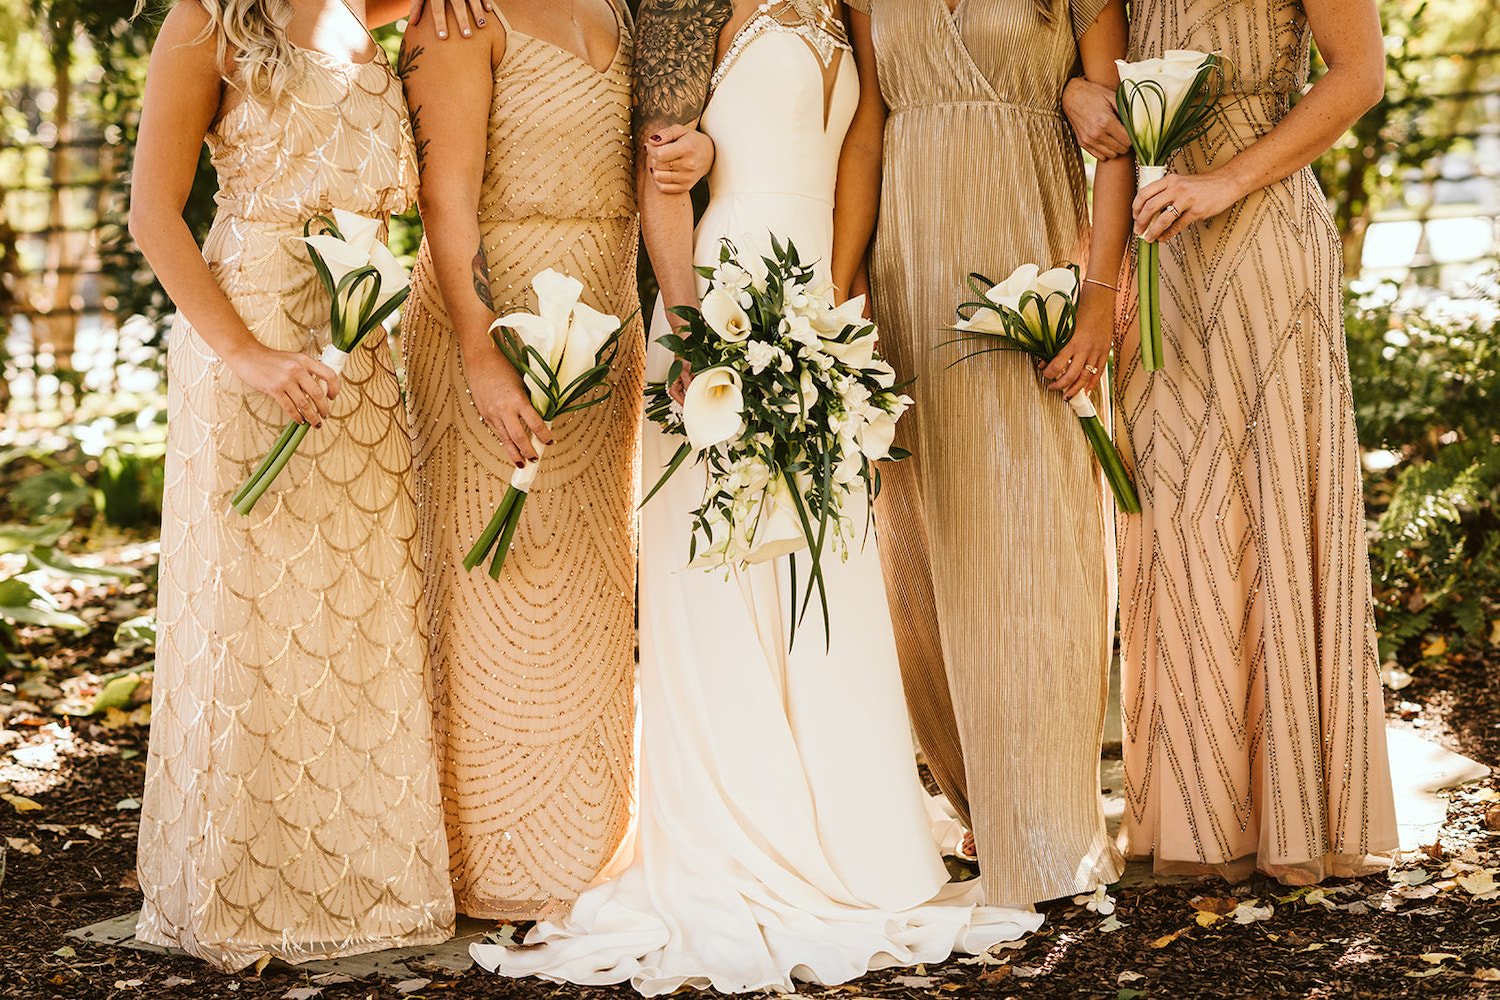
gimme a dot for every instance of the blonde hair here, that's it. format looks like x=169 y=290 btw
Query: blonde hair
x=254 y=51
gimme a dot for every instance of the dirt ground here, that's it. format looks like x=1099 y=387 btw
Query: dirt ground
x=1432 y=928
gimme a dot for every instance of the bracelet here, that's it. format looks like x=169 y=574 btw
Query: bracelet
x=1101 y=284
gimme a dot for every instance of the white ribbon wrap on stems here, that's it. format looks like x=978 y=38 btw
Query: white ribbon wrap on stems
x=1083 y=406
x=334 y=358
x=522 y=479
x=1149 y=174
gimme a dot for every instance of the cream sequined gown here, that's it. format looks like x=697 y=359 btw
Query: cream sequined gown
x=993 y=533
x=1254 y=728
x=535 y=672
x=291 y=805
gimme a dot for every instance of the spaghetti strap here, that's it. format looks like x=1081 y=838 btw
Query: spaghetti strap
x=495 y=9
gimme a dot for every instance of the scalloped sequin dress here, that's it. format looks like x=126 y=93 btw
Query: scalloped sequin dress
x=535 y=672
x=292 y=804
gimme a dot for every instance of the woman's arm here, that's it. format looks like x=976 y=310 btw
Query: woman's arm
x=676 y=45
x=1349 y=40
x=184 y=88
x=1114 y=184
x=856 y=200
x=448 y=92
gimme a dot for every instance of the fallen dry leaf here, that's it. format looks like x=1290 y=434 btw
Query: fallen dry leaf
x=1249 y=913
x=21 y=803
x=1216 y=905
x=1492 y=818
x=1487 y=975
x=1434 y=957
x=411 y=985
x=1129 y=977
x=127 y=804
x=22 y=846
x=302 y=993
x=1478 y=883
x=1167 y=939
x=1206 y=918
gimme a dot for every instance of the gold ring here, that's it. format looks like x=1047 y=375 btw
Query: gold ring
x=1174 y=210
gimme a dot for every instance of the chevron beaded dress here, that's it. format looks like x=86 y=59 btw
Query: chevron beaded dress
x=291 y=805
x=535 y=672
x=1254 y=722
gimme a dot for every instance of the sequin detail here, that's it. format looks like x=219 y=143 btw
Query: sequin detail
x=536 y=672
x=291 y=805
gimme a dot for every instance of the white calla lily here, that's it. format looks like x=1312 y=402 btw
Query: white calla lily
x=1151 y=111
x=778 y=529
x=338 y=256
x=1008 y=292
x=724 y=316
x=1057 y=288
x=876 y=435
x=393 y=277
x=587 y=333
x=535 y=332
x=360 y=231
x=712 y=408
x=556 y=296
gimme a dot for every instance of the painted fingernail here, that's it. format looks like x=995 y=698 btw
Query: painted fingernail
x=442 y=34
x=466 y=32
x=656 y=138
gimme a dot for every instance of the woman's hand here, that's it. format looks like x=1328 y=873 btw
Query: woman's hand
x=1090 y=109
x=461 y=10
x=301 y=385
x=679 y=387
x=677 y=157
x=500 y=395
x=1166 y=207
x=1079 y=366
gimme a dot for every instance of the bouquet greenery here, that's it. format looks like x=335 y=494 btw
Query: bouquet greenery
x=1034 y=312
x=789 y=408
x=560 y=351
x=1164 y=104
x=365 y=284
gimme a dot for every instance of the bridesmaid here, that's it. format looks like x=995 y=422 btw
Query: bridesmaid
x=523 y=137
x=291 y=804
x=1254 y=729
x=1005 y=671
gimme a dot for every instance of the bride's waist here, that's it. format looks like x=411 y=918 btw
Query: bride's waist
x=727 y=195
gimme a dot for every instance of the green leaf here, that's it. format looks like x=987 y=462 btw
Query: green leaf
x=138 y=631
x=55 y=563
x=21 y=602
x=116 y=693
x=19 y=537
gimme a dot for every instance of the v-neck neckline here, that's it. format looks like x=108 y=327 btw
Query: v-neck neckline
x=613 y=59
x=949 y=17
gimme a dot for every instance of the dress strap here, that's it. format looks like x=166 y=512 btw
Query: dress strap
x=494 y=8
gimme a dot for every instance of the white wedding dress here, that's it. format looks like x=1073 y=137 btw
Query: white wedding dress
x=783 y=832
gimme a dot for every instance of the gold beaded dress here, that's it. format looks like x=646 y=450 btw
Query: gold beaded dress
x=536 y=671
x=291 y=805
x=992 y=535
x=1254 y=722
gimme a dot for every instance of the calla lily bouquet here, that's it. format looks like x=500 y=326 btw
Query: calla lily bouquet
x=563 y=352
x=1164 y=104
x=789 y=407
x=1034 y=312
x=366 y=284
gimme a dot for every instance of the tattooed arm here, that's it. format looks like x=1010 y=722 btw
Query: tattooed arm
x=676 y=46
x=449 y=86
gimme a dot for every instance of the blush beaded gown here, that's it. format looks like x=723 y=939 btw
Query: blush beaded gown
x=1254 y=721
x=291 y=805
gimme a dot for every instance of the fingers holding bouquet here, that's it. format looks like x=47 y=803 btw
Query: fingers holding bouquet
x=505 y=406
x=1164 y=208
x=302 y=386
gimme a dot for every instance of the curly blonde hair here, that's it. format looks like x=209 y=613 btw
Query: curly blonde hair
x=253 y=48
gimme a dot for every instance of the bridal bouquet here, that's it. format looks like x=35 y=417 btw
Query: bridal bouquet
x=1164 y=104
x=1034 y=313
x=366 y=284
x=559 y=351
x=789 y=407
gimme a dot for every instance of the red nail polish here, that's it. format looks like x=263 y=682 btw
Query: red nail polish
x=656 y=138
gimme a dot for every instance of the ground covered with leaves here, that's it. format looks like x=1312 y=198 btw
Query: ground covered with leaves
x=72 y=765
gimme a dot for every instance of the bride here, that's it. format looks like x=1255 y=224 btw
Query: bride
x=783 y=832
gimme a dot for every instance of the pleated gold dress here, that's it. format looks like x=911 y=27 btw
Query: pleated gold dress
x=291 y=805
x=992 y=535
x=1254 y=730
x=535 y=672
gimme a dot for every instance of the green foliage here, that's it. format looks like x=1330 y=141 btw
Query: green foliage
x=1427 y=394
x=111 y=474
x=21 y=602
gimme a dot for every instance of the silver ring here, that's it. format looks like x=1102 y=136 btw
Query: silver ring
x=1091 y=369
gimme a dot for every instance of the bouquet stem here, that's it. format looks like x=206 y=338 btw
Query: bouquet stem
x=1114 y=468
x=1148 y=279
x=269 y=468
x=503 y=522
